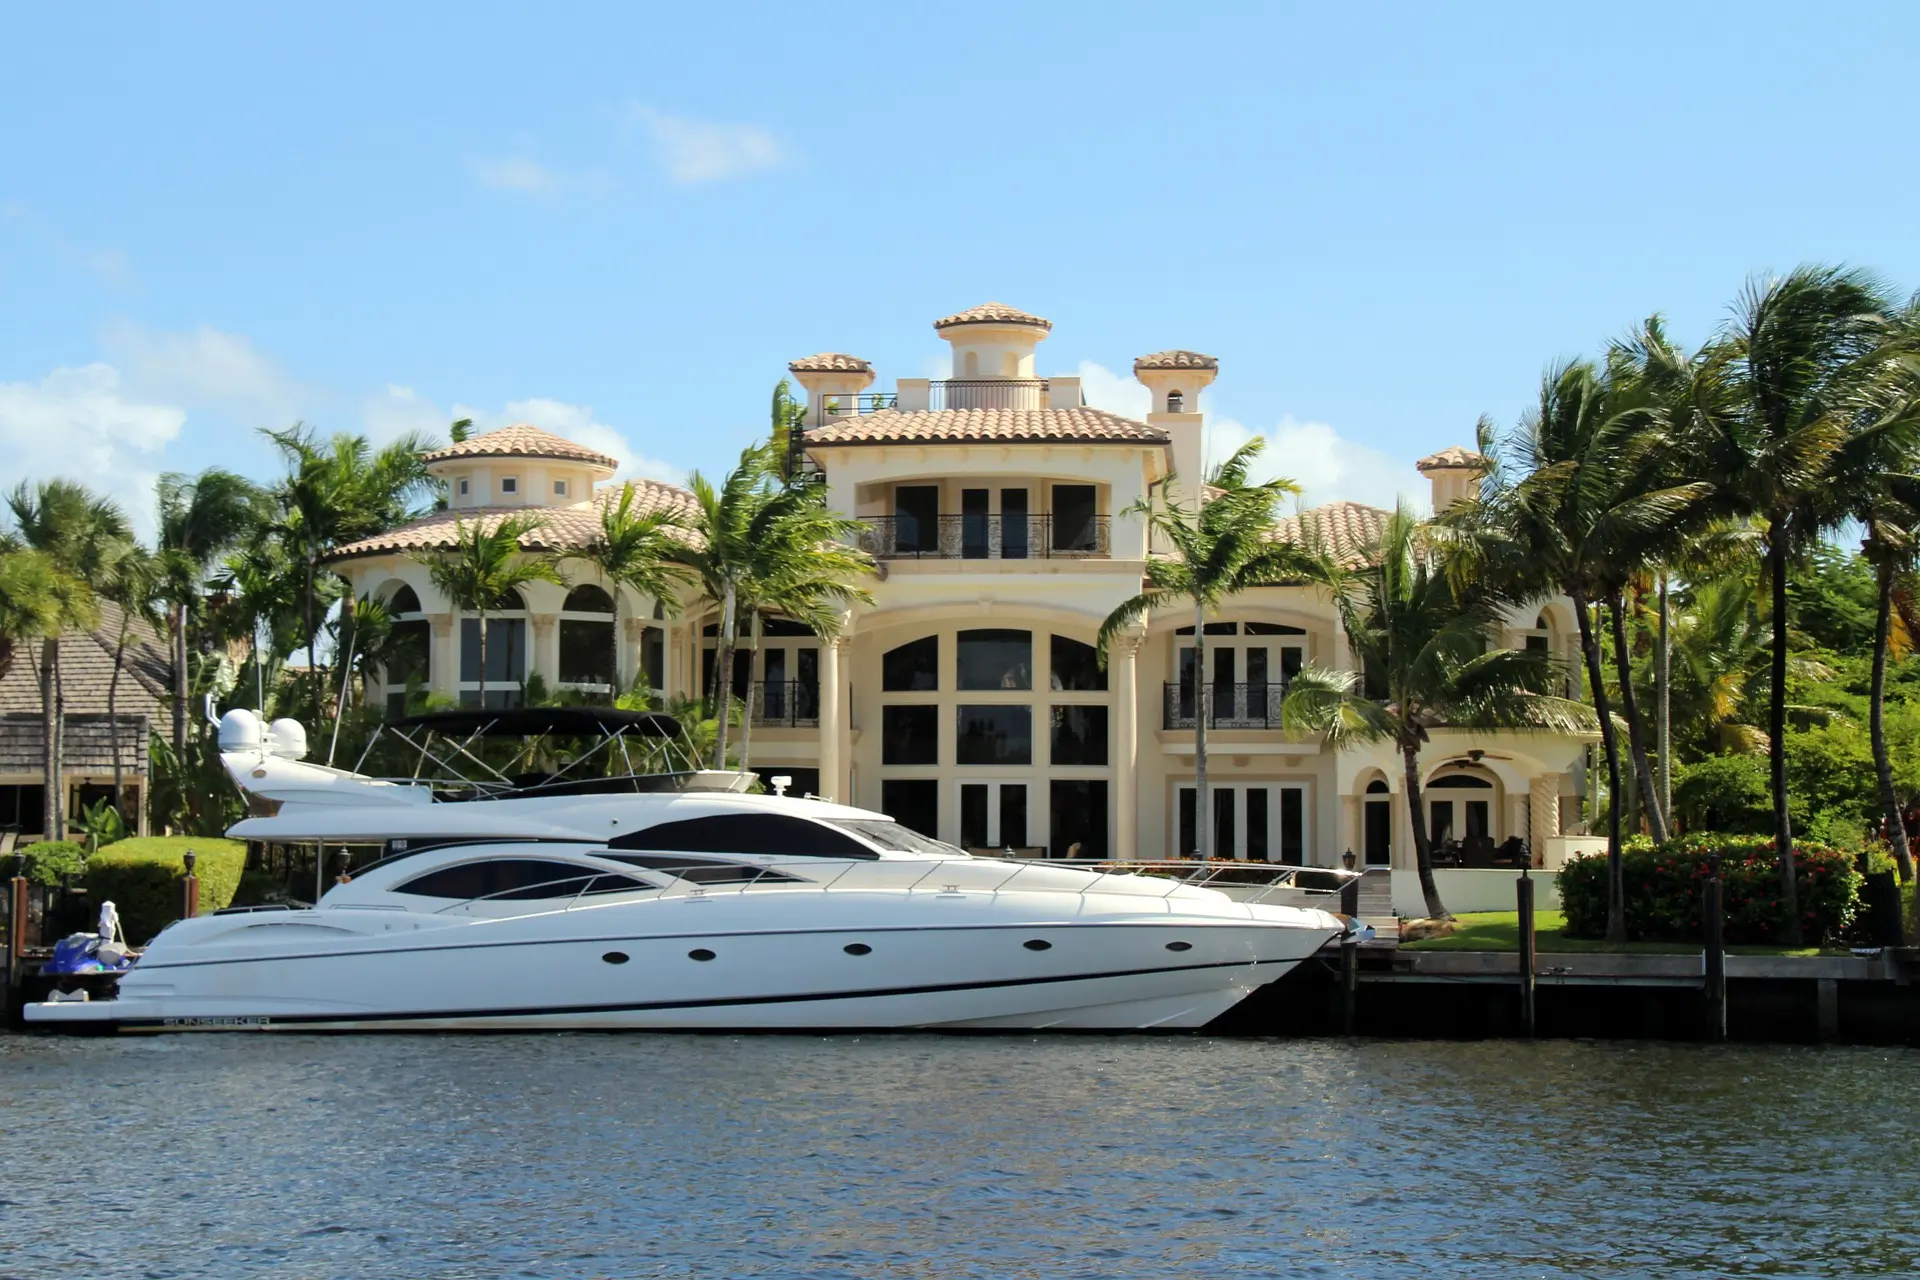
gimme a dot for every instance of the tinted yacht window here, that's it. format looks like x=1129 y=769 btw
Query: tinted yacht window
x=514 y=879
x=747 y=833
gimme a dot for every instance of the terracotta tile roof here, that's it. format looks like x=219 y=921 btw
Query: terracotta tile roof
x=829 y=362
x=960 y=426
x=562 y=528
x=1176 y=360
x=1453 y=458
x=992 y=313
x=86 y=670
x=522 y=440
x=1346 y=529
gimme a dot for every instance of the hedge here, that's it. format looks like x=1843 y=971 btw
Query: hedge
x=1663 y=889
x=47 y=861
x=142 y=878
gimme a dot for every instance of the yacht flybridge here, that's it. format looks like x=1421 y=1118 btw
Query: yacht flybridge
x=611 y=893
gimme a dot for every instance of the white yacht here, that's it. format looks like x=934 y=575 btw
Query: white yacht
x=669 y=901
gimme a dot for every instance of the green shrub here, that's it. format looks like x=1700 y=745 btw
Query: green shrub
x=48 y=860
x=141 y=877
x=1725 y=794
x=1663 y=889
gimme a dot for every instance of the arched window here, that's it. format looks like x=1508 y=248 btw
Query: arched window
x=403 y=602
x=407 y=660
x=1376 y=788
x=1176 y=402
x=587 y=658
x=1010 y=365
x=1376 y=834
x=913 y=667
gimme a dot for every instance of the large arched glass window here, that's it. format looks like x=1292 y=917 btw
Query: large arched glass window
x=995 y=659
x=407 y=660
x=586 y=640
x=913 y=667
x=506 y=655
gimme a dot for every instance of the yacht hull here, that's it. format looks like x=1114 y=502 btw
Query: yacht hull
x=1171 y=974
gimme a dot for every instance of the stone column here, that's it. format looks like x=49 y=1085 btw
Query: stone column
x=633 y=630
x=833 y=722
x=1350 y=831
x=1543 y=803
x=443 y=658
x=544 y=653
x=1124 y=678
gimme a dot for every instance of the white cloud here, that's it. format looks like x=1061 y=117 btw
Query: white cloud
x=1116 y=393
x=82 y=425
x=1327 y=466
x=694 y=151
x=204 y=366
x=516 y=173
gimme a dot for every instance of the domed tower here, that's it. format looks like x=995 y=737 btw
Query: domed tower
x=519 y=466
x=1176 y=378
x=993 y=357
x=833 y=381
x=1453 y=472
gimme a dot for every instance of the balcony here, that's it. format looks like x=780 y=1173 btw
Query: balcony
x=792 y=704
x=987 y=537
x=1228 y=706
x=946 y=393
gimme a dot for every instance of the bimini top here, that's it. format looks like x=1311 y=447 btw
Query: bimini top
x=525 y=722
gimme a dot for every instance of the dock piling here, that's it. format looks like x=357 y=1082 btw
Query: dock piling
x=1714 y=953
x=1349 y=982
x=1523 y=889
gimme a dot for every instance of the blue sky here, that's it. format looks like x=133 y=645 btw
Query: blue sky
x=621 y=222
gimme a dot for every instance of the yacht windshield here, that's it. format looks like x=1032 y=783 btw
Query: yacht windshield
x=897 y=838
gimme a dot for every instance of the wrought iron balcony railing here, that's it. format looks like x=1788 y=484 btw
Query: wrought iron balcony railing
x=846 y=406
x=963 y=537
x=987 y=393
x=1228 y=706
x=795 y=703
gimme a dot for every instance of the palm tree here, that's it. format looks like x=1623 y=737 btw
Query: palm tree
x=635 y=551
x=1790 y=430
x=1421 y=643
x=201 y=517
x=82 y=536
x=333 y=493
x=135 y=590
x=1891 y=515
x=762 y=543
x=788 y=416
x=1220 y=550
x=1575 y=497
x=489 y=561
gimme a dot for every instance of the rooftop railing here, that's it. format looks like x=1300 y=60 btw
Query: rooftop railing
x=1227 y=706
x=987 y=537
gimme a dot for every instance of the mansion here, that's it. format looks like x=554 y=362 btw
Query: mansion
x=966 y=700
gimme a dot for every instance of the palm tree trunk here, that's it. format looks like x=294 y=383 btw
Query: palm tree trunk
x=483 y=656
x=1777 y=731
x=1616 y=872
x=313 y=668
x=613 y=672
x=1876 y=720
x=1422 y=842
x=746 y=726
x=723 y=676
x=1636 y=733
x=1663 y=706
x=1202 y=811
x=49 y=741
x=179 y=637
x=113 y=715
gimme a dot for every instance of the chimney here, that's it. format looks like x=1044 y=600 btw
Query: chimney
x=1454 y=473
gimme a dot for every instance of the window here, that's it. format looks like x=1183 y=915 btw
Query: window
x=1013 y=524
x=586 y=643
x=702 y=871
x=1073 y=523
x=409 y=648
x=911 y=668
x=21 y=806
x=993 y=817
x=910 y=735
x=975 y=525
x=996 y=660
x=559 y=488
x=1176 y=403
x=465 y=487
x=1076 y=667
x=1378 y=837
x=516 y=879
x=912 y=802
x=1250 y=820
x=506 y=655
x=916 y=518
x=1079 y=735
x=1077 y=817
x=653 y=657
x=994 y=735
x=509 y=484
x=745 y=833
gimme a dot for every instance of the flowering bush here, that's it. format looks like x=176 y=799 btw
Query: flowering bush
x=1664 y=889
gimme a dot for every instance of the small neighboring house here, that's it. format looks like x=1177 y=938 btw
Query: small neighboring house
x=86 y=671
x=966 y=700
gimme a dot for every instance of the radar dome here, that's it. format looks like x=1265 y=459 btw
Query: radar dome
x=240 y=730
x=287 y=739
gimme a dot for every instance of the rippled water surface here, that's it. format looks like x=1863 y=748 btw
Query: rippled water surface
x=564 y=1156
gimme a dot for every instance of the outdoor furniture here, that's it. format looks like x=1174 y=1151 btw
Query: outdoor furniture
x=1477 y=852
x=1446 y=854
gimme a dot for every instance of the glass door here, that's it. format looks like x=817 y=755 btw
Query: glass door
x=993 y=816
x=1260 y=821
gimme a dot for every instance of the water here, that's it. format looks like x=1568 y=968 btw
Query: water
x=585 y=1156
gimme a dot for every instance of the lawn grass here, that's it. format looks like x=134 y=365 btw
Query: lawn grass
x=1500 y=931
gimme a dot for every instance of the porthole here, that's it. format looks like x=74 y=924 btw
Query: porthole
x=1179 y=946
x=857 y=949
x=1037 y=944
x=699 y=953
x=615 y=957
